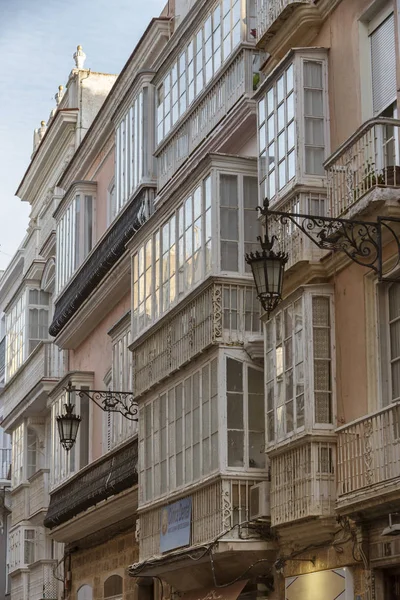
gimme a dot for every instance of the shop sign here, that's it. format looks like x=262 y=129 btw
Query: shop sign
x=330 y=585
x=175 y=522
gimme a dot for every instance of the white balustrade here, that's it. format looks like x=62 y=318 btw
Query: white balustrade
x=368 y=160
x=369 y=451
x=42 y=583
x=269 y=11
x=45 y=362
x=235 y=81
x=216 y=509
x=303 y=483
x=38 y=492
x=221 y=313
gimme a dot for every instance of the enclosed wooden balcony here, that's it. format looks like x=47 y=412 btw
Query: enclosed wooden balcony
x=219 y=313
x=303 y=483
x=38 y=375
x=38 y=495
x=220 y=512
x=369 y=462
x=365 y=169
x=271 y=14
x=234 y=83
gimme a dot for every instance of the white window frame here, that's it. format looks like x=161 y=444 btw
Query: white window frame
x=117 y=428
x=160 y=441
x=75 y=232
x=22 y=538
x=18 y=329
x=306 y=294
x=221 y=31
x=130 y=145
x=246 y=365
x=158 y=261
x=244 y=246
x=297 y=60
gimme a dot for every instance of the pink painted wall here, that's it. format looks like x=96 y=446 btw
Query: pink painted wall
x=95 y=354
x=102 y=171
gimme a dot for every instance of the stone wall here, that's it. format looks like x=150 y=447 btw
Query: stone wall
x=94 y=565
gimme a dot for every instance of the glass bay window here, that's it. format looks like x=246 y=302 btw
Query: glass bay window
x=193 y=69
x=293 y=135
x=26 y=325
x=299 y=365
x=209 y=420
x=75 y=230
x=184 y=250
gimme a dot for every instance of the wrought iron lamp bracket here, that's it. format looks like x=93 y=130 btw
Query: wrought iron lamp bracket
x=361 y=241
x=111 y=401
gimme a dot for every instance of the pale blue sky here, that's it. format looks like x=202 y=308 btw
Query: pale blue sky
x=37 y=41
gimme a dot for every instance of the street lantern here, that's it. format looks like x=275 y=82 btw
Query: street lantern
x=109 y=401
x=268 y=269
x=361 y=241
x=68 y=423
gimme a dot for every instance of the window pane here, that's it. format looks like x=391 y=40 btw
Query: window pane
x=235 y=449
x=234 y=375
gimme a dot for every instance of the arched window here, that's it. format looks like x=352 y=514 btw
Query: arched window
x=113 y=588
x=85 y=593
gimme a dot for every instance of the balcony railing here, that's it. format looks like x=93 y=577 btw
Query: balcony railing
x=38 y=492
x=303 y=483
x=221 y=313
x=45 y=362
x=42 y=582
x=367 y=161
x=113 y=473
x=20 y=504
x=234 y=82
x=270 y=14
x=289 y=238
x=215 y=510
x=369 y=453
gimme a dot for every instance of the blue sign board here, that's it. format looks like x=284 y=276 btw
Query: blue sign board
x=175 y=521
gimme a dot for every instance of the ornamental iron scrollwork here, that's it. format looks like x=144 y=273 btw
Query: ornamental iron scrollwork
x=110 y=401
x=368 y=456
x=361 y=241
x=217 y=311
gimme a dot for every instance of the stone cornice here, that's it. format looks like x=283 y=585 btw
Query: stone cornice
x=144 y=55
x=59 y=135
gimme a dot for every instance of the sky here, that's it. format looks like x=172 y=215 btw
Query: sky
x=37 y=41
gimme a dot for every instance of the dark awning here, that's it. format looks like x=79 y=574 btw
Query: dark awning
x=100 y=262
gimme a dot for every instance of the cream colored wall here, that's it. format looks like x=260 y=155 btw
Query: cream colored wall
x=94 y=354
x=350 y=322
x=340 y=33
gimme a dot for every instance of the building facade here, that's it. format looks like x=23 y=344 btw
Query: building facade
x=32 y=364
x=264 y=461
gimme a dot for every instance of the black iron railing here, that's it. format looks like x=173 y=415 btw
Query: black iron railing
x=117 y=471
